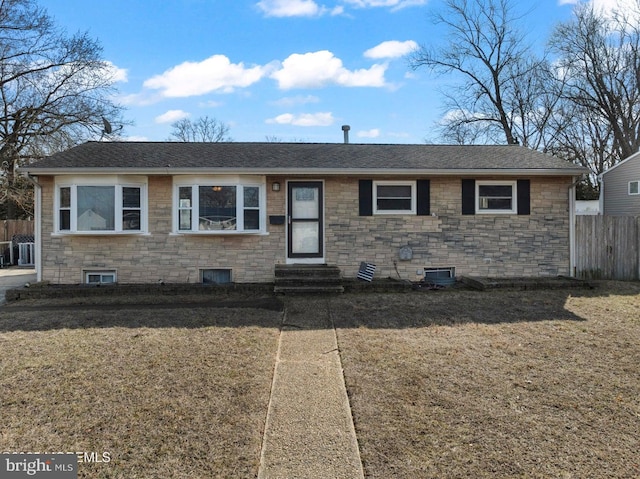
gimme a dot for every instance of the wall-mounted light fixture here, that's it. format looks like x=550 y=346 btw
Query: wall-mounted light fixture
x=275 y=186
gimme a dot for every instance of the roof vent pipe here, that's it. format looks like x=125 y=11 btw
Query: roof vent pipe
x=345 y=129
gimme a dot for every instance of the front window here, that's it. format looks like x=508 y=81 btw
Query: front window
x=634 y=187
x=394 y=197
x=220 y=208
x=496 y=197
x=96 y=208
x=100 y=208
x=217 y=209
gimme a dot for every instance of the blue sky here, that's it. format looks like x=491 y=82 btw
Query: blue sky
x=292 y=69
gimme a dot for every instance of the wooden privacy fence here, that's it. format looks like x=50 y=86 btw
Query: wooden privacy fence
x=10 y=228
x=607 y=247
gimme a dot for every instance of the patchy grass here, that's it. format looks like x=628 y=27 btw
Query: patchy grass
x=501 y=384
x=442 y=384
x=180 y=392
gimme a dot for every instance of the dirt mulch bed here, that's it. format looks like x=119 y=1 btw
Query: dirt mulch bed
x=178 y=393
x=504 y=384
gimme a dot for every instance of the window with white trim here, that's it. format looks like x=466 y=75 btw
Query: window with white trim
x=100 y=277
x=394 y=197
x=634 y=187
x=496 y=197
x=220 y=207
x=100 y=208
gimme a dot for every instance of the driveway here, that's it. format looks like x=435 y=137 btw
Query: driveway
x=14 y=278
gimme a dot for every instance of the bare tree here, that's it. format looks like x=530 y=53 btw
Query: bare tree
x=599 y=58
x=52 y=87
x=205 y=129
x=277 y=139
x=503 y=96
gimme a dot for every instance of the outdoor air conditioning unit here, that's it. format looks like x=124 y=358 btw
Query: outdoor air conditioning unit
x=26 y=254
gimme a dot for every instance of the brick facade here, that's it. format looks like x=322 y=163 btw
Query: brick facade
x=486 y=245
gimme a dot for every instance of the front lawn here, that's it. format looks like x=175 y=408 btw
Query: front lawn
x=179 y=392
x=495 y=385
x=442 y=383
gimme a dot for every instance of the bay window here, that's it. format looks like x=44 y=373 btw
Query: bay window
x=220 y=205
x=100 y=208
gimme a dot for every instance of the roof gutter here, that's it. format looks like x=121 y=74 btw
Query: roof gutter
x=310 y=171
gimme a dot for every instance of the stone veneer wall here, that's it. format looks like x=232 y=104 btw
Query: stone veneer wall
x=159 y=255
x=485 y=245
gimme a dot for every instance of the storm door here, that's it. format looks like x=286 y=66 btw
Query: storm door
x=305 y=220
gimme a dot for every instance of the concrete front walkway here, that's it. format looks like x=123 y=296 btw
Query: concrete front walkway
x=309 y=429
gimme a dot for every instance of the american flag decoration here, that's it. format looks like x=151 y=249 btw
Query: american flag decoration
x=366 y=271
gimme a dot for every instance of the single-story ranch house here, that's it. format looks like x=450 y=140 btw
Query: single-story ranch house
x=217 y=212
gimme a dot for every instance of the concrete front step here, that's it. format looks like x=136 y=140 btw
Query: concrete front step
x=303 y=279
x=303 y=270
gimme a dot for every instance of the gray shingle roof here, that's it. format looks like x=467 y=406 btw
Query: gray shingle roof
x=298 y=158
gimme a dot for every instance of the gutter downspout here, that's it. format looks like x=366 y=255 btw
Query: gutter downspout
x=37 y=218
x=572 y=226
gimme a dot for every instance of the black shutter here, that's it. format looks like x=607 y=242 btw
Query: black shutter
x=468 y=197
x=365 y=197
x=524 y=197
x=423 y=200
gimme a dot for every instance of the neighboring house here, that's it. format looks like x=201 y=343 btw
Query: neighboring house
x=193 y=212
x=92 y=221
x=587 y=207
x=620 y=188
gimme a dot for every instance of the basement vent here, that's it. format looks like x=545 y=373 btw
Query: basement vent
x=442 y=276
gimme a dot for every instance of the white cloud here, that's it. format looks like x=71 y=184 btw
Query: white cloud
x=216 y=73
x=393 y=4
x=311 y=8
x=289 y=8
x=296 y=8
x=139 y=99
x=290 y=101
x=304 y=119
x=391 y=49
x=171 y=116
x=322 y=68
x=117 y=74
x=608 y=7
x=373 y=133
